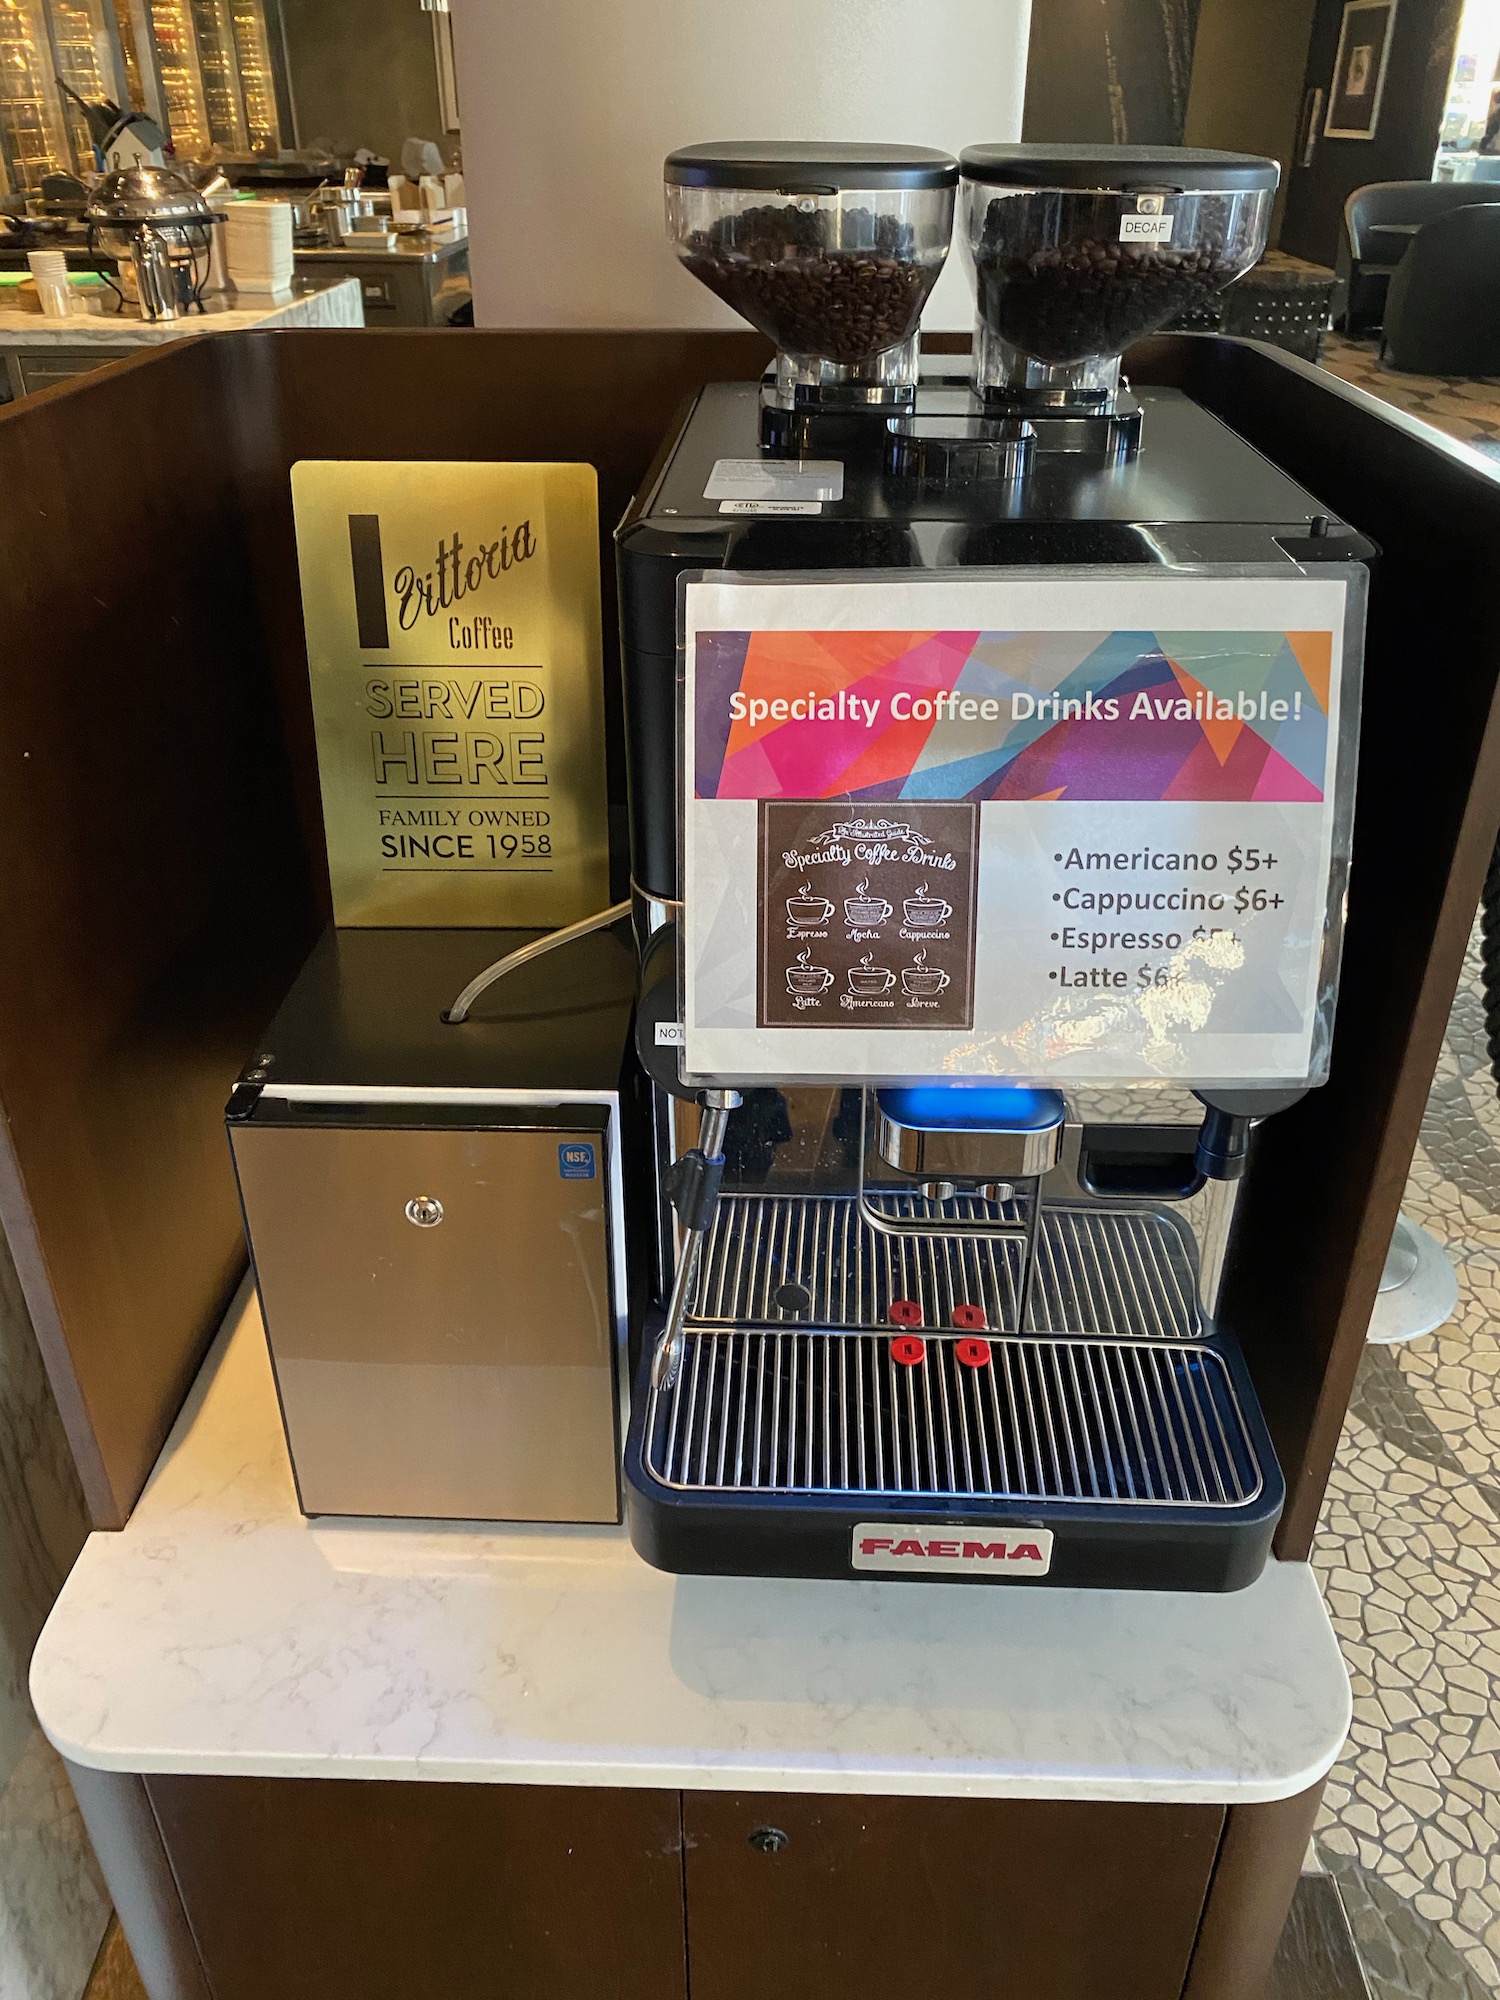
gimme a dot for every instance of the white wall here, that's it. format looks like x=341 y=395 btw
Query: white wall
x=570 y=106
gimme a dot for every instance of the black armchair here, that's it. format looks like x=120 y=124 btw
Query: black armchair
x=1442 y=313
x=1367 y=256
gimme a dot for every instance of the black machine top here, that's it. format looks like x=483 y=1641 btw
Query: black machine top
x=791 y=166
x=1192 y=471
x=1185 y=169
x=366 y=1010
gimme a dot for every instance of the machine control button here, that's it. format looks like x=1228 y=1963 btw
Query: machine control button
x=425 y=1210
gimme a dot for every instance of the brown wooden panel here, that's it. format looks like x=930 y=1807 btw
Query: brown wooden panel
x=161 y=868
x=153 y=894
x=1326 y=1179
x=1255 y=1879
x=322 y=1889
x=886 y=1899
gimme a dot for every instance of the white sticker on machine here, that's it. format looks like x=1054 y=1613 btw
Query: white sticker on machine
x=994 y=1555
x=798 y=480
x=1145 y=229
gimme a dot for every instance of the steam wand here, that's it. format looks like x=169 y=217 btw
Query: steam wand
x=694 y=1190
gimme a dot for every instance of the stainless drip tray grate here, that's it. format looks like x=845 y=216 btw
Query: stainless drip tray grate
x=780 y=1411
x=1122 y=1272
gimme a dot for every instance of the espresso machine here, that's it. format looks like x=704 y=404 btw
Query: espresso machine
x=991 y=735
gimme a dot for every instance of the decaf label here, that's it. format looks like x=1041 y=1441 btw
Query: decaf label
x=453 y=639
x=867 y=916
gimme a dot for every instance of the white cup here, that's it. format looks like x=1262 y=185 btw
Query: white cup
x=49 y=268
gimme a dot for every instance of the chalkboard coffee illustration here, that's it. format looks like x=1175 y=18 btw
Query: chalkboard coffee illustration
x=858 y=876
x=867 y=979
x=921 y=979
x=865 y=912
x=924 y=912
x=806 y=978
x=806 y=911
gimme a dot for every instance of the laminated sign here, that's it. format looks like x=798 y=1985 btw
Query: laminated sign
x=1074 y=825
x=453 y=638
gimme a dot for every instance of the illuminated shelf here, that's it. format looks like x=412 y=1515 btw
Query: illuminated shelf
x=254 y=52
x=181 y=83
x=31 y=130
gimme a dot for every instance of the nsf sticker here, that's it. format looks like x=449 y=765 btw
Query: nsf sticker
x=575 y=1161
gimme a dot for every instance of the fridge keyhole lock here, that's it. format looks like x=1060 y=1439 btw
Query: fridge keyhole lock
x=425 y=1210
x=769 y=1840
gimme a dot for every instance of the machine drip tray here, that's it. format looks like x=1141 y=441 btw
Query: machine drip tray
x=1112 y=1422
x=778 y=1451
x=1127 y=1272
x=891 y=1393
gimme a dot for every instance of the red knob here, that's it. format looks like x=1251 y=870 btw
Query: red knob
x=972 y=1352
x=974 y=1318
x=906 y=1312
x=908 y=1349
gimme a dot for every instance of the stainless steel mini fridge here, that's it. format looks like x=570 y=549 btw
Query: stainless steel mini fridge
x=436 y=1221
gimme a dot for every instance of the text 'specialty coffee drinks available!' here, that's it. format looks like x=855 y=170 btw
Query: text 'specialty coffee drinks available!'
x=453 y=641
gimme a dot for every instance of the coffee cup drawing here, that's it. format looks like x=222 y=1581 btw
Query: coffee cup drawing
x=864 y=912
x=924 y=912
x=868 y=980
x=806 y=908
x=805 y=978
x=921 y=979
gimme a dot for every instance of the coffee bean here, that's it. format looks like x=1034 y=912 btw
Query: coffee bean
x=1090 y=294
x=844 y=303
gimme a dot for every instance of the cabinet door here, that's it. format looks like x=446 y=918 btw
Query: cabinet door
x=324 y=1889
x=903 y=1899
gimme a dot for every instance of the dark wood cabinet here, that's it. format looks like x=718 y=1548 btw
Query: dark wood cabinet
x=798 y=1898
x=398 y=1891
x=334 y=1889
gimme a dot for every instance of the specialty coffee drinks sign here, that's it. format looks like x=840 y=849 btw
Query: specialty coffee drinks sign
x=453 y=637
x=867 y=917
x=1058 y=827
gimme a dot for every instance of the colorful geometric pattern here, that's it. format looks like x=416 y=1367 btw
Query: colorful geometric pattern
x=1072 y=715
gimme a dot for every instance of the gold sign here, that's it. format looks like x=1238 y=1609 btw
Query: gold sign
x=452 y=616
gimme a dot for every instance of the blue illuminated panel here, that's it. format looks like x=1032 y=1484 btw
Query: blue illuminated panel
x=958 y=1107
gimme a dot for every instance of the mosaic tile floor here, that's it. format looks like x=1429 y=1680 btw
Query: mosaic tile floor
x=1409 y=1556
x=1467 y=410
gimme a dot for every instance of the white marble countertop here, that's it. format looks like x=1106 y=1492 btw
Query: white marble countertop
x=221 y=1632
x=313 y=301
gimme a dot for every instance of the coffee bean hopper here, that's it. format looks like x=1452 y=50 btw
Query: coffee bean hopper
x=923 y=1296
x=1080 y=251
x=830 y=251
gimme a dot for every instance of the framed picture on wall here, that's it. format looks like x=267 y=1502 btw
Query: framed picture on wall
x=1359 y=69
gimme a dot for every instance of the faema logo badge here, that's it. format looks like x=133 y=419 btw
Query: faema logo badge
x=989 y=1554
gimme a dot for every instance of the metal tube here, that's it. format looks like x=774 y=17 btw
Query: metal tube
x=667 y=1360
x=538 y=948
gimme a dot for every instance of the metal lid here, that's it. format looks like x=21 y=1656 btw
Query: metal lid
x=790 y=166
x=146 y=194
x=1184 y=168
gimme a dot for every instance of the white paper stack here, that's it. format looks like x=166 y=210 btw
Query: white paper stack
x=258 y=246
